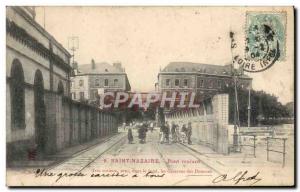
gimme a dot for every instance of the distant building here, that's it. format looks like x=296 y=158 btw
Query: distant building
x=204 y=79
x=92 y=79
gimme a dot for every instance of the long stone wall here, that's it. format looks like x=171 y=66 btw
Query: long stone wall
x=71 y=123
x=209 y=123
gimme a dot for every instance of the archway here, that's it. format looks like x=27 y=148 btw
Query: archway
x=60 y=88
x=40 y=112
x=17 y=93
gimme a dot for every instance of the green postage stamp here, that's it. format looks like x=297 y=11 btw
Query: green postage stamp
x=265 y=36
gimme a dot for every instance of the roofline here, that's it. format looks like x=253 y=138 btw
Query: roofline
x=106 y=73
x=40 y=29
x=187 y=62
x=196 y=73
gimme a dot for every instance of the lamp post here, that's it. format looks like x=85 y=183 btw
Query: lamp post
x=249 y=105
x=236 y=71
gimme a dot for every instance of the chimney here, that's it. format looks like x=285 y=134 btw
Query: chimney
x=93 y=64
x=118 y=65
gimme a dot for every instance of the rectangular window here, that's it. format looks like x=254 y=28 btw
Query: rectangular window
x=81 y=95
x=97 y=82
x=211 y=83
x=219 y=84
x=96 y=94
x=116 y=82
x=106 y=82
x=185 y=82
x=167 y=82
x=93 y=94
x=74 y=95
x=201 y=83
x=177 y=82
x=80 y=82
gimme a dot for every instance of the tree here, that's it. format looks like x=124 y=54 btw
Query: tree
x=262 y=104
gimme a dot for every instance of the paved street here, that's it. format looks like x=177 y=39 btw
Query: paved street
x=130 y=164
x=136 y=160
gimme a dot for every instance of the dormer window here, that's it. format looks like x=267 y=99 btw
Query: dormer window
x=106 y=70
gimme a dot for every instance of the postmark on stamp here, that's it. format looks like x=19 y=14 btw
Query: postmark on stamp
x=265 y=39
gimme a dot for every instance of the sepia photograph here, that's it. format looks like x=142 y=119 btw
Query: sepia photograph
x=150 y=96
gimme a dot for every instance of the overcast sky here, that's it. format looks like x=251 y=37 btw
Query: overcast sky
x=147 y=39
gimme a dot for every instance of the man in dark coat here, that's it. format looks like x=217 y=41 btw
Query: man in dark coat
x=189 y=133
x=129 y=135
x=166 y=132
x=142 y=133
x=173 y=132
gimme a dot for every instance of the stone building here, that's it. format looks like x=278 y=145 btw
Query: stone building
x=204 y=79
x=92 y=79
x=41 y=118
x=35 y=64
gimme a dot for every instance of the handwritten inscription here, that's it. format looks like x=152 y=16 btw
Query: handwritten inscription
x=59 y=176
x=238 y=178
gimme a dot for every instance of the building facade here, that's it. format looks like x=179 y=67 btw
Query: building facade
x=36 y=64
x=204 y=79
x=41 y=117
x=93 y=79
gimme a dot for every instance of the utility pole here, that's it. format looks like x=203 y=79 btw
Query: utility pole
x=235 y=72
x=249 y=105
x=73 y=45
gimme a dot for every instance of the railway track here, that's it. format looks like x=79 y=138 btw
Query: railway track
x=83 y=161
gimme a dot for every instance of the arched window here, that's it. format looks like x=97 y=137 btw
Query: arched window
x=60 y=88
x=17 y=93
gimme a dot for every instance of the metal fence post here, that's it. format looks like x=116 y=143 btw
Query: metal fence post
x=283 y=155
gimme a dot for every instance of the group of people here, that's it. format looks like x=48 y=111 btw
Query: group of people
x=175 y=133
x=142 y=132
x=182 y=135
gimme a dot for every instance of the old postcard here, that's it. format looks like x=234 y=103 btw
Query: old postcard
x=150 y=96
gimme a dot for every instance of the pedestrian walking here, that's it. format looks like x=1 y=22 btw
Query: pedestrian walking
x=142 y=133
x=167 y=132
x=177 y=133
x=124 y=126
x=151 y=126
x=130 y=136
x=173 y=132
x=189 y=133
x=161 y=133
x=183 y=133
